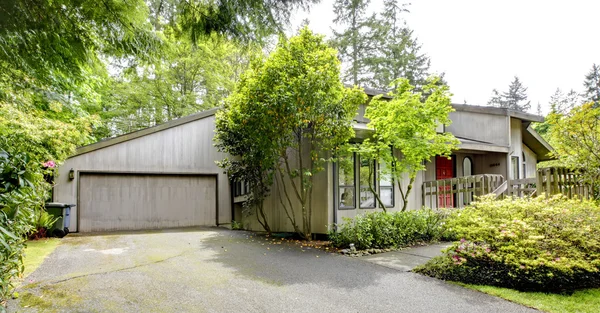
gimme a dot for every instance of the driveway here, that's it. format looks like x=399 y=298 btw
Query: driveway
x=217 y=270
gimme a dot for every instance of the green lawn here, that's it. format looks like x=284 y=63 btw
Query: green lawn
x=36 y=252
x=583 y=301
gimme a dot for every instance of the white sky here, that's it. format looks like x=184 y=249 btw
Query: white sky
x=482 y=45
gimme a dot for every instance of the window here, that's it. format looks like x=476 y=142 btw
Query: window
x=386 y=186
x=241 y=188
x=524 y=166
x=346 y=184
x=366 y=174
x=514 y=162
x=468 y=171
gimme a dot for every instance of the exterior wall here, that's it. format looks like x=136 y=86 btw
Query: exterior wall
x=531 y=162
x=322 y=204
x=479 y=126
x=516 y=146
x=187 y=148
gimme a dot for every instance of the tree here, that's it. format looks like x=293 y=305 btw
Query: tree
x=300 y=114
x=575 y=137
x=408 y=123
x=592 y=85
x=560 y=104
x=245 y=20
x=513 y=99
x=396 y=52
x=185 y=79
x=355 y=42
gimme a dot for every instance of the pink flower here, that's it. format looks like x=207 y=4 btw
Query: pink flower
x=49 y=164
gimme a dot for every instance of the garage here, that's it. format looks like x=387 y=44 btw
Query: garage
x=136 y=201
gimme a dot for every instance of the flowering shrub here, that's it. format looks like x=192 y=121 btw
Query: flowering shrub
x=525 y=244
x=385 y=230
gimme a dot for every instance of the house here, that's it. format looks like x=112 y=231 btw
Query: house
x=165 y=176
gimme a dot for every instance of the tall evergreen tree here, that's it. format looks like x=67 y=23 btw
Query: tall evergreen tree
x=355 y=42
x=592 y=85
x=397 y=52
x=515 y=98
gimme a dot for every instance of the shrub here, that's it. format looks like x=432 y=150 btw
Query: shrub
x=526 y=244
x=385 y=230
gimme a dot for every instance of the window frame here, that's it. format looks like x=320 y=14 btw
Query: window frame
x=392 y=187
x=375 y=184
x=339 y=187
x=516 y=171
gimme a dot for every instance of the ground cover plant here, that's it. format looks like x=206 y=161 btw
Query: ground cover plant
x=529 y=244
x=383 y=230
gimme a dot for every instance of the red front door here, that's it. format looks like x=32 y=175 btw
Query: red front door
x=444 y=168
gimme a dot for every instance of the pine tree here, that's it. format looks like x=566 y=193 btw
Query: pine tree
x=513 y=99
x=592 y=85
x=355 y=41
x=397 y=53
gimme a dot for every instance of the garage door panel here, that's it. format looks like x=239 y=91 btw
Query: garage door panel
x=130 y=202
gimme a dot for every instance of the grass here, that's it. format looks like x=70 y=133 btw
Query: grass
x=583 y=301
x=36 y=252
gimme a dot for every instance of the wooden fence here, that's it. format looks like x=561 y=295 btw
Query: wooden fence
x=459 y=191
x=556 y=180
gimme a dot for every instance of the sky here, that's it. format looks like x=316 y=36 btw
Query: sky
x=482 y=45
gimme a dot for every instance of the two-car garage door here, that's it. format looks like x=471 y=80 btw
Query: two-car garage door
x=110 y=202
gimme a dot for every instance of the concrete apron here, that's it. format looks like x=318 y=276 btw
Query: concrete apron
x=406 y=259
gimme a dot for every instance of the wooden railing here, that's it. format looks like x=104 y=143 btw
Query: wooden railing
x=522 y=187
x=459 y=191
x=556 y=180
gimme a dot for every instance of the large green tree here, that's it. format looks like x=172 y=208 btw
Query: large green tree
x=397 y=53
x=592 y=85
x=408 y=123
x=575 y=137
x=355 y=42
x=300 y=114
x=515 y=98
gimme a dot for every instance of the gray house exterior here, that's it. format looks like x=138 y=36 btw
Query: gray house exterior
x=166 y=176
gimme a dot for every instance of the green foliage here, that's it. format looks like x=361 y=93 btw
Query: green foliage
x=513 y=99
x=575 y=138
x=396 y=52
x=389 y=230
x=286 y=116
x=592 y=86
x=408 y=124
x=525 y=244
x=186 y=78
x=356 y=41
x=246 y=20
x=54 y=42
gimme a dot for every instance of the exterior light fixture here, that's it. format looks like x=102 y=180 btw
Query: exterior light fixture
x=71 y=174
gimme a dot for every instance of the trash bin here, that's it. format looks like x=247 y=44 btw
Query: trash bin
x=62 y=211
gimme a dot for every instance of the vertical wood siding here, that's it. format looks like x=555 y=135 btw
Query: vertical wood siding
x=187 y=148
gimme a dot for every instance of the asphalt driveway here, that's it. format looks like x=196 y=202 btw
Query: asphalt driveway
x=217 y=270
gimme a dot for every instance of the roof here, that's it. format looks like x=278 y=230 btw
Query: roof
x=144 y=132
x=537 y=144
x=474 y=108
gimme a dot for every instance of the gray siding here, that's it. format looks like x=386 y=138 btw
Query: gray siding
x=480 y=126
x=187 y=148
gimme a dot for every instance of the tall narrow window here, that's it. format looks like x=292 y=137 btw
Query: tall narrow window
x=386 y=186
x=524 y=166
x=468 y=171
x=346 y=182
x=366 y=175
x=515 y=167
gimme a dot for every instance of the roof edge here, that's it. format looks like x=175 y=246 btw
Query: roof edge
x=144 y=132
x=539 y=138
